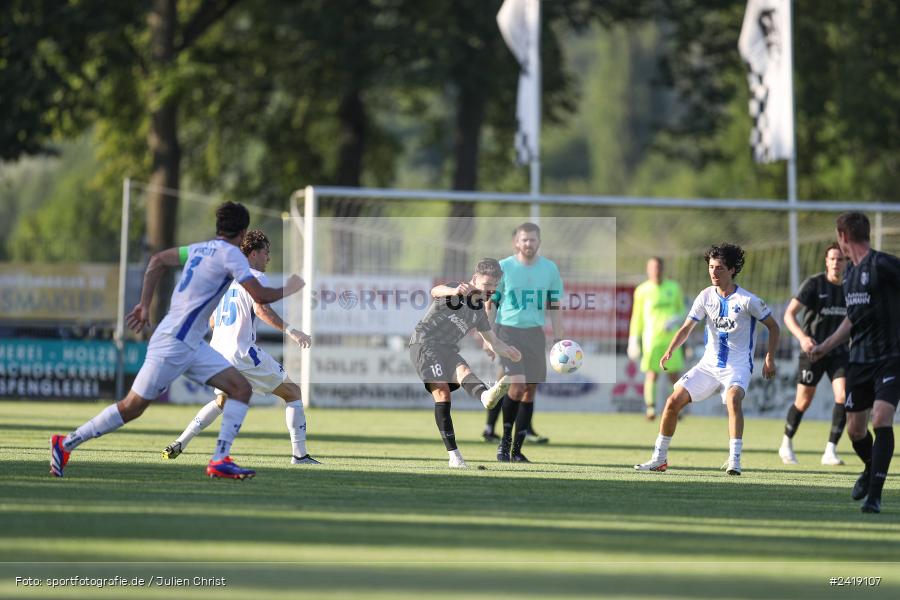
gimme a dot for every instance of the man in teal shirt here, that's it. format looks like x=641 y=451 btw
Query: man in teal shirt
x=531 y=288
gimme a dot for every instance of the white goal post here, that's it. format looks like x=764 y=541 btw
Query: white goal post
x=334 y=221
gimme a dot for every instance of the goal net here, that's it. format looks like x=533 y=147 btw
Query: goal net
x=352 y=242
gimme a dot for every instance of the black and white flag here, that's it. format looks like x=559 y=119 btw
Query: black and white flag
x=519 y=22
x=765 y=45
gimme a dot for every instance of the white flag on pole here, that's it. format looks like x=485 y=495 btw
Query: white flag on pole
x=519 y=22
x=765 y=45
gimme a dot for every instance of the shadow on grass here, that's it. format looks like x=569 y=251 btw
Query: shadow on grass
x=168 y=435
x=439 y=511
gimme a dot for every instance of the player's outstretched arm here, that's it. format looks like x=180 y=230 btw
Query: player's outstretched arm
x=840 y=335
x=442 y=291
x=139 y=317
x=681 y=336
x=265 y=295
x=774 y=335
x=499 y=346
x=790 y=321
x=268 y=315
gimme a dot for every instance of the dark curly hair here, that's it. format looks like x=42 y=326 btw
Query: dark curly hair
x=254 y=240
x=231 y=219
x=489 y=267
x=731 y=255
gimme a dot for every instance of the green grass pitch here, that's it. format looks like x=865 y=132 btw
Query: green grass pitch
x=386 y=518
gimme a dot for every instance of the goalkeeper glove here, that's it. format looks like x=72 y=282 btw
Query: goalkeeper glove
x=634 y=348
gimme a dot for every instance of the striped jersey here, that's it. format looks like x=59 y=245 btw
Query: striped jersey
x=872 y=294
x=235 y=321
x=209 y=268
x=730 y=326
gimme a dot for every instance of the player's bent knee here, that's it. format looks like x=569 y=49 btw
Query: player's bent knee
x=289 y=392
x=883 y=414
x=132 y=406
x=440 y=391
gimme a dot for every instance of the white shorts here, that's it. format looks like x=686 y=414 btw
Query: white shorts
x=169 y=357
x=703 y=381
x=259 y=368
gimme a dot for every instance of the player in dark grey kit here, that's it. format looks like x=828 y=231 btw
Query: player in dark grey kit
x=821 y=297
x=458 y=308
x=872 y=294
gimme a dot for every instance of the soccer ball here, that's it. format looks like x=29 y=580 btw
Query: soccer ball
x=566 y=356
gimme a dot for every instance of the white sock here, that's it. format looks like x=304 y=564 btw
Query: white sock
x=108 y=419
x=786 y=442
x=232 y=418
x=455 y=453
x=661 y=449
x=830 y=448
x=296 y=424
x=205 y=417
x=734 y=449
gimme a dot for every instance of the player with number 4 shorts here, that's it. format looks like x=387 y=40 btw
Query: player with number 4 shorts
x=872 y=324
x=234 y=337
x=177 y=347
x=731 y=314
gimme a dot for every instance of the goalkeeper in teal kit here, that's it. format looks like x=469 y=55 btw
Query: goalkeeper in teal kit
x=657 y=312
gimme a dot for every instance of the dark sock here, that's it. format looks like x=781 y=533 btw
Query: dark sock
x=528 y=426
x=793 y=421
x=863 y=448
x=492 y=416
x=838 y=420
x=882 y=451
x=510 y=410
x=523 y=418
x=445 y=424
x=473 y=385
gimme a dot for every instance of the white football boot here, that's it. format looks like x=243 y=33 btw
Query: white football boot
x=491 y=396
x=786 y=452
x=654 y=464
x=732 y=466
x=457 y=461
x=830 y=457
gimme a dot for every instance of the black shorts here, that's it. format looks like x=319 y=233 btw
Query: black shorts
x=436 y=364
x=810 y=373
x=532 y=343
x=867 y=383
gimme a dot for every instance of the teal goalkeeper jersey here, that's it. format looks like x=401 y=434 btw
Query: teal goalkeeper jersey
x=525 y=291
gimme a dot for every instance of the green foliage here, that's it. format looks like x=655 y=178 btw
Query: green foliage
x=72 y=220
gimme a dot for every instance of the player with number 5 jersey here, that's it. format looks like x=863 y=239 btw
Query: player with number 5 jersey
x=177 y=347
x=234 y=337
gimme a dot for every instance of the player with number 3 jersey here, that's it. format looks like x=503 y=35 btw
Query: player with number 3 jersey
x=234 y=337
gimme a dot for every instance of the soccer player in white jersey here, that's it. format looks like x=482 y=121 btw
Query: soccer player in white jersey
x=177 y=346
x=731 y=313
x=234 y=337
